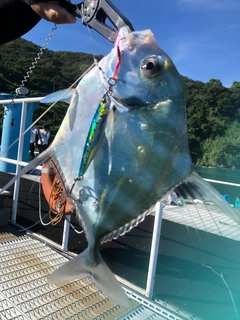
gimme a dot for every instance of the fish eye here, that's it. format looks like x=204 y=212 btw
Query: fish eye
x=150 y=67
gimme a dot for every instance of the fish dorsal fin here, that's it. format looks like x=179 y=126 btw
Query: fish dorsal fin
x=126 y=228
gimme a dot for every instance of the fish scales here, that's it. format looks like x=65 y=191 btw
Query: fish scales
x=145 y=142
x=139 y=133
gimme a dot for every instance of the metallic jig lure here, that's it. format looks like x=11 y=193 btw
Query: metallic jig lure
x=95 y=133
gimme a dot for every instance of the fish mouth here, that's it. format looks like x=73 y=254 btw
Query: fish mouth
x=130 y=103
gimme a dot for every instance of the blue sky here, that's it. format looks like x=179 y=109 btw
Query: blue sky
x=201 y=36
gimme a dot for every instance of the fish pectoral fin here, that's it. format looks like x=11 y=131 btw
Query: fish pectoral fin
x=196 y=188
x=41 y=158
x=101 y=275
x=61 y=95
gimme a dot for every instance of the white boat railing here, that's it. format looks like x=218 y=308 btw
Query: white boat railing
x=24 y=102
x=158 y=208
x=223 y=182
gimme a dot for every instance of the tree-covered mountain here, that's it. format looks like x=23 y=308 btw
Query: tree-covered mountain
x=53 y=71
x=213 y=111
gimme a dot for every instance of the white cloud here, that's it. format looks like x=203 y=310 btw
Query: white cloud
x=234 y=26
x=185 y=48
x=182 y=50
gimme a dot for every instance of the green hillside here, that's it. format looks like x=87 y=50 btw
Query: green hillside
x=213 y=111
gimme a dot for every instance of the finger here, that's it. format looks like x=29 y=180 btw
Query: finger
x=53 y=12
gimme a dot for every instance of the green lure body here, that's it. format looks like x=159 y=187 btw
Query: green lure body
x=95 y=134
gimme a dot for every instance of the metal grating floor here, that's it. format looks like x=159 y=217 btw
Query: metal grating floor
x=7 y=236
x=26 y=295
x=208 y=218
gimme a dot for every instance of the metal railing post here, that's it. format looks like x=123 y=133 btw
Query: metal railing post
x=154 y=250
x=66 y=233
x=19 y=158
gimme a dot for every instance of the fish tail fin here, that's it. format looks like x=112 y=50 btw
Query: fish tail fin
x=101 y=275
x=198 y=188
x=32 y=165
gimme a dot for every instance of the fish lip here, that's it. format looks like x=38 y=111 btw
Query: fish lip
x=120 y=105
x=123 y=106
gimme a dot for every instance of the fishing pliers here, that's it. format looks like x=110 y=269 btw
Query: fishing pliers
x=95 y=13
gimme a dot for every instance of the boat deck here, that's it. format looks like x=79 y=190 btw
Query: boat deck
x=198 y=269
x=25 y=294
x=207 y=218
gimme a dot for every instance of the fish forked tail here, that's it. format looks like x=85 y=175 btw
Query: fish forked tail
x=197 y=188
x=41 y=158
x=101 y=275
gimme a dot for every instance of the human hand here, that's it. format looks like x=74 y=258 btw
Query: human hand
x=53 y=12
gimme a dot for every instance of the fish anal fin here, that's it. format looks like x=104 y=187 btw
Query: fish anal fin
x=126 y=228
x=195 y=187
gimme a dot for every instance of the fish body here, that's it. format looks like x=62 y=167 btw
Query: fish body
x=150 y=152
x=146 y=137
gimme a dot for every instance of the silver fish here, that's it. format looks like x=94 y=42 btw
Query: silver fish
x=149 y=151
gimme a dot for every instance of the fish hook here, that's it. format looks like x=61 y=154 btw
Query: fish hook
x=80 y=178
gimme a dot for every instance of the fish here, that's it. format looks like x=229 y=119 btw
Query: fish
x=139 y=156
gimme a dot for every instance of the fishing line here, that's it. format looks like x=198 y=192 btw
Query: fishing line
x=46 y=111
x=95 y=61
x=28 y=75
x=40 y=209
x=47 y=214
x=26 y=229
x=110 y=80
x=91 y=41
x=198 y=256
x=213 y=220
x=20 y=91
x=40 y=217
x=79 y=79
x=225 y=283
x=26 y=199
x=72 y=226
x=183 y=216
x=200 y=217
x=187 y=213
x=50 y=222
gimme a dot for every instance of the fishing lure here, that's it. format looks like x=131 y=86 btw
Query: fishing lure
x=96 y=133
x=103 y=122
